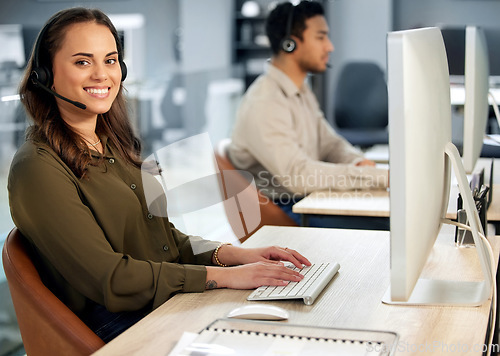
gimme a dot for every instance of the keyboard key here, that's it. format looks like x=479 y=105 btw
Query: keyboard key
x=316 y=277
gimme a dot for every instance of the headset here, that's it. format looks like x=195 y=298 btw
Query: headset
x=42 y=77
x=288 y=44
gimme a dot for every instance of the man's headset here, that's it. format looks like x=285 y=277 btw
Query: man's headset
x=288 y=44
x=41 y=76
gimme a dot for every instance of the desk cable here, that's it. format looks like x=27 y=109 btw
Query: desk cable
x=495 y=106
x=493 y=312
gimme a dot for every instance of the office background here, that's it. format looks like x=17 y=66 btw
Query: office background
x=189 y=66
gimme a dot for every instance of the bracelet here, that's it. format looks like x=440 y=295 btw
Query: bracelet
x=216 y=255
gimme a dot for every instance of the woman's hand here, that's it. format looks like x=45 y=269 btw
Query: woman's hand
x=232 y=255
x=255 y=267
x=251 y=276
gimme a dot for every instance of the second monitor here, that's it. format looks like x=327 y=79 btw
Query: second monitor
x=476 y=107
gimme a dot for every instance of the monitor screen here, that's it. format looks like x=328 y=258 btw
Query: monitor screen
x=454 y=40
x=493 y=39
x=476 y=107
x=420 y=157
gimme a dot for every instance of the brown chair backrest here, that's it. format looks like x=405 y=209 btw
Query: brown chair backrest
x=48 y=326
x=270 y=213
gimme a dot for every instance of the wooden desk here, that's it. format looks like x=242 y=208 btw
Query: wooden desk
x=351 y=300
x=371 y=203
x=375 y=203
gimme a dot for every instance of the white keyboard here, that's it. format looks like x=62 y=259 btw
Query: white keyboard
x=316 y=277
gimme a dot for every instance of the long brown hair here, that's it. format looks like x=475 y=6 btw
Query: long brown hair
x=48 y=124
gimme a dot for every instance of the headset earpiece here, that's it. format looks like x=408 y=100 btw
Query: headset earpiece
x=288 y=44
x=123 y=67
x=41 y=76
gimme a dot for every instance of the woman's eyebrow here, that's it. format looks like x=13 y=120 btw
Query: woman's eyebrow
x=91 y=55
x=83 y=54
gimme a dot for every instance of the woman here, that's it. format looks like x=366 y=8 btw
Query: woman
x=76 y=193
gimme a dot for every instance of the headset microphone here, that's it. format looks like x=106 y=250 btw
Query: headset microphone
x=48 y=90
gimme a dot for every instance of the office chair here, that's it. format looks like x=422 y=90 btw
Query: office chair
x=361 y=104
x=48 y=327
x=271 y=214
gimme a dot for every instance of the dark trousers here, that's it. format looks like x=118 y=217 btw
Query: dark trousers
x=109 y=325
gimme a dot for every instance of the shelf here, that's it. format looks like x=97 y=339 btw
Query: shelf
x=240 y=17
x=251 y=47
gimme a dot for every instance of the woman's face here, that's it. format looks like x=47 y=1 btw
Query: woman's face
x=86 y=69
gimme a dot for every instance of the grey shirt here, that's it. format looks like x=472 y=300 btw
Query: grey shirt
x=282 y=138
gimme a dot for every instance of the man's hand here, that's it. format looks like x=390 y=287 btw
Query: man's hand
x=366 y=162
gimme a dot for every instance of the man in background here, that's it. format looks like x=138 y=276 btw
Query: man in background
x=281 y=136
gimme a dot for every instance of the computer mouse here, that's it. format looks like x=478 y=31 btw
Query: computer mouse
x=259 y=312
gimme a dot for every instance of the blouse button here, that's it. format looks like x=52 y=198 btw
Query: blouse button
x=133 y=186
x=165 y=248
x=150 y=216
x=111 y=160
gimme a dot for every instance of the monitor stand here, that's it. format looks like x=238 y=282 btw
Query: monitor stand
x=455 y=293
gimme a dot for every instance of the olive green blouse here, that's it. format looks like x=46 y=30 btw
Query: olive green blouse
x=95 y=238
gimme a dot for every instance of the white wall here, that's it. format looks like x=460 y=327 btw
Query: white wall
x=358 y=31
x=206 y=34
x=161 y=20
x=205 y=66
x=411 y=13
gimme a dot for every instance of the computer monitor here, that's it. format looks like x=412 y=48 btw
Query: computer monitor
x=131 y=31
x=420 y=152
x=30 y=34
x=476 y=107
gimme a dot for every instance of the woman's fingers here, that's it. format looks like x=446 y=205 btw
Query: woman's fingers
x=258 y=274
x=290 y=255
x=276 y=273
